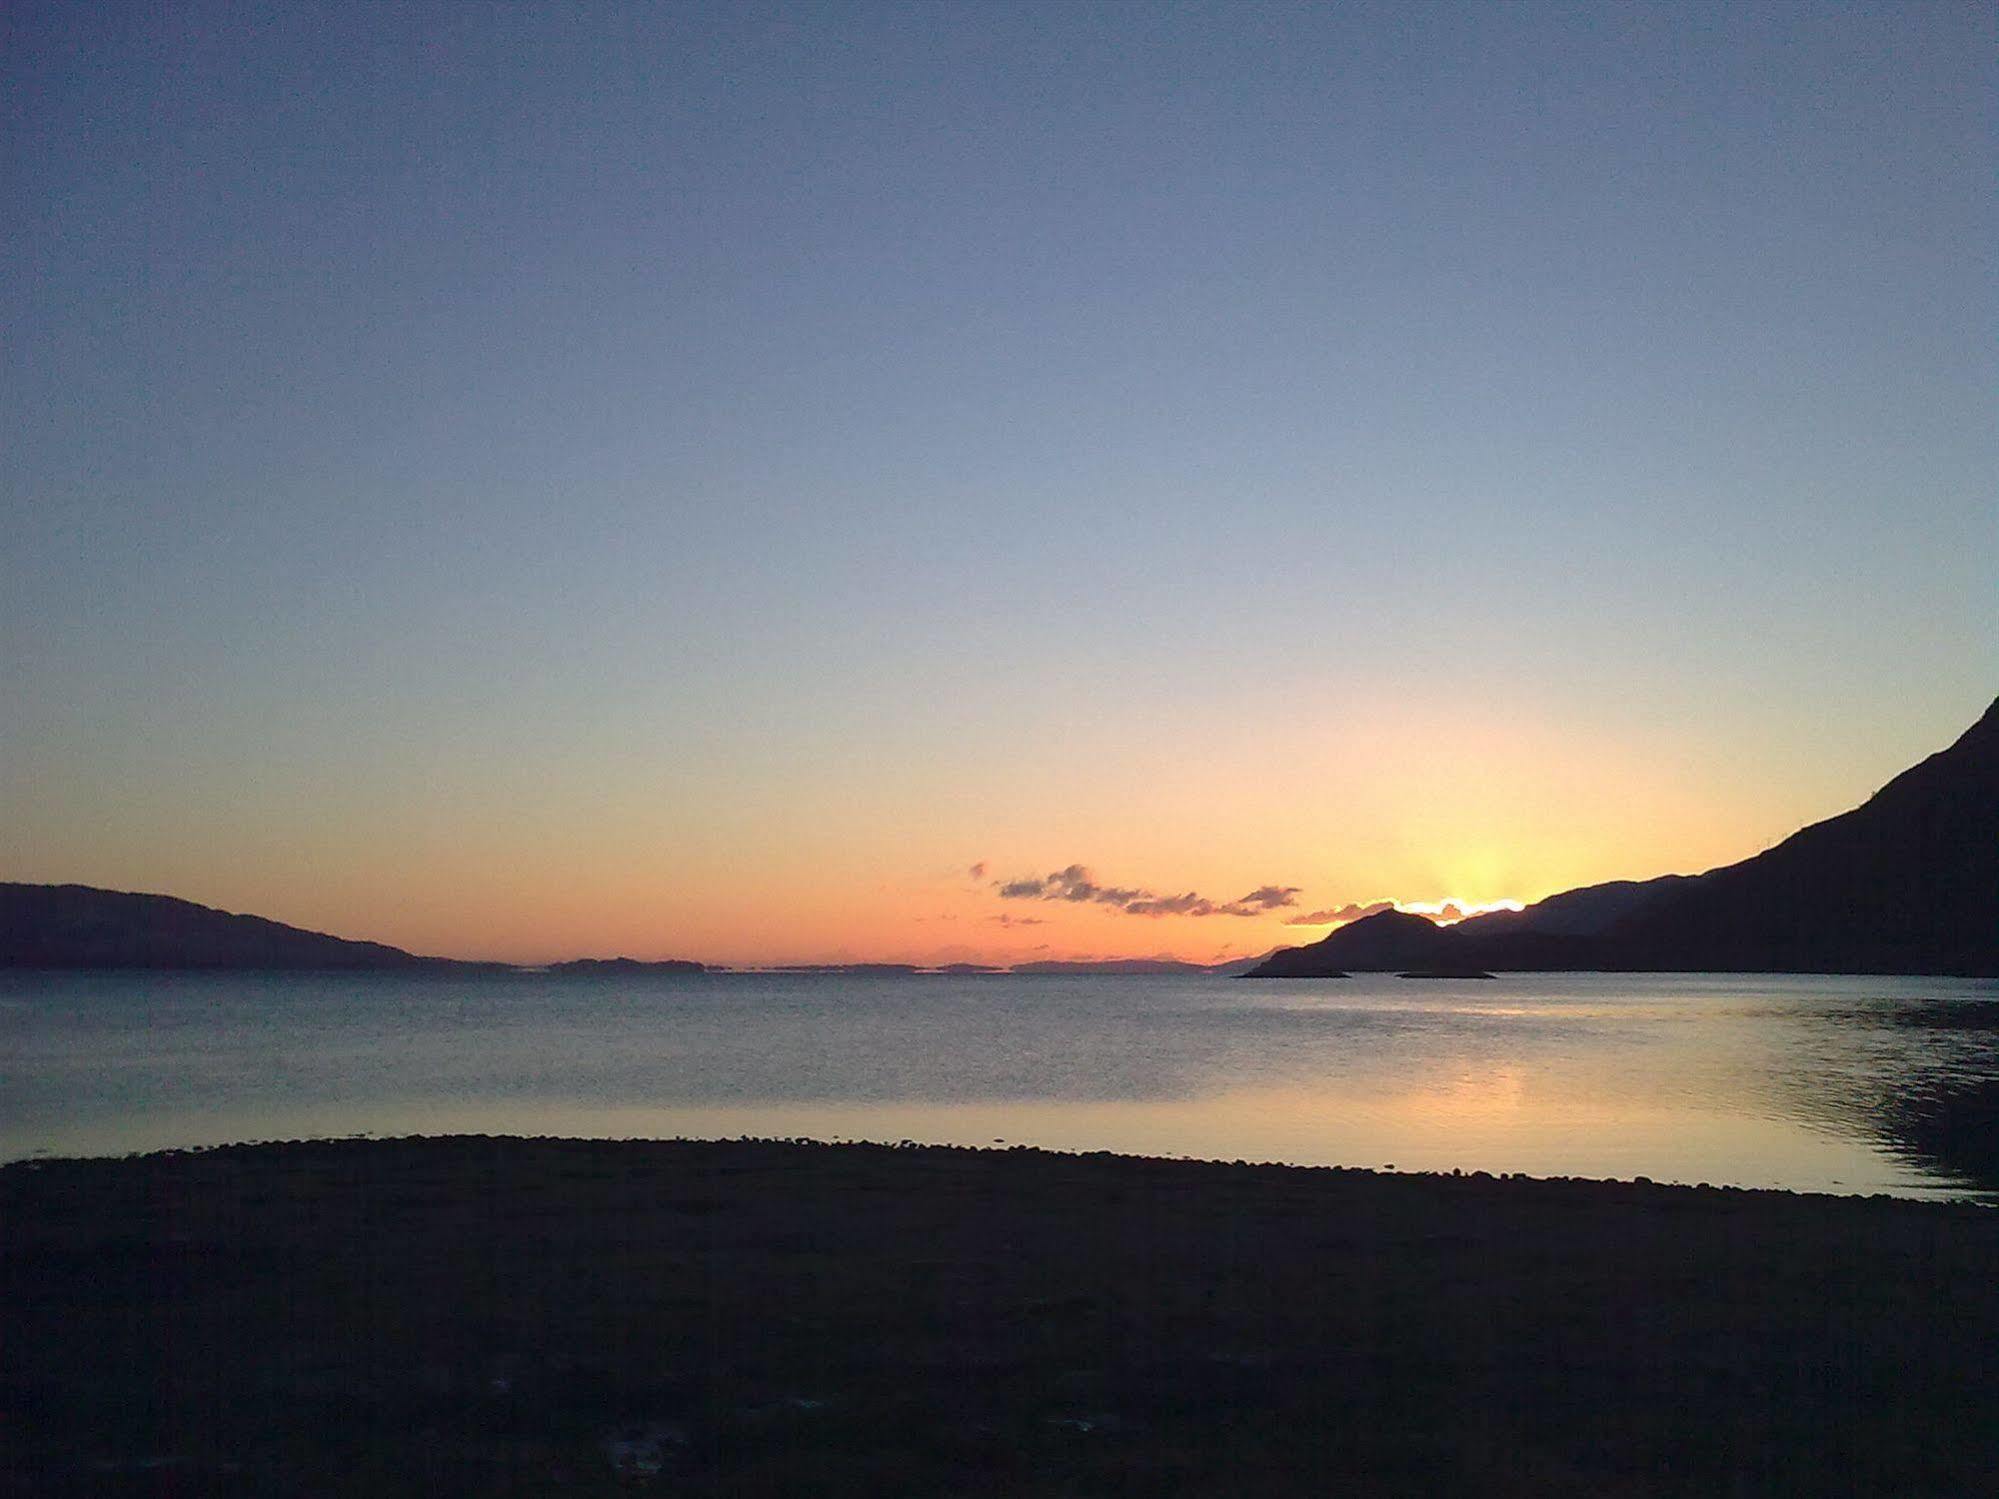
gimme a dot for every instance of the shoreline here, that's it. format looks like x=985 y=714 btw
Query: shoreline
x=478 y=1314
x=1942 y=1196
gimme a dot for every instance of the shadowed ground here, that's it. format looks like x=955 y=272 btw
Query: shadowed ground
x=528 y=1316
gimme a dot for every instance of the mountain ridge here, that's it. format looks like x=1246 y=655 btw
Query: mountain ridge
x=84 y=927
x=1906 y=882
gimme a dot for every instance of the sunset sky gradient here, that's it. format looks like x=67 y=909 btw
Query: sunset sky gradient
x=697 y=480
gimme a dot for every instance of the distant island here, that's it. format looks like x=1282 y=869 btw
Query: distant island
x=1908 y=882
x=624 y=967
x=859 y=970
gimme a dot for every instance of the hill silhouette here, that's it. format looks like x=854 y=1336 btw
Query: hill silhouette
x=78 y=926
x=1907 y=882
x=626 y=968
x=1587 y=911
x=1374 y=944
x=1395 y=941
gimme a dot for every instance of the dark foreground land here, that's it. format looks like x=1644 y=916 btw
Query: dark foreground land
x=479 y=1316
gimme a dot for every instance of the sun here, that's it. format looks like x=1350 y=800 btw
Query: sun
x=1451 y=910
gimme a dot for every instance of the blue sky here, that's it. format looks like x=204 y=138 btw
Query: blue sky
x=710 y=418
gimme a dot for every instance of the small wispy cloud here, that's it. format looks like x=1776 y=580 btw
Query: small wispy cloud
x=1269 y=897
x=978 y=870
x=1189 y=904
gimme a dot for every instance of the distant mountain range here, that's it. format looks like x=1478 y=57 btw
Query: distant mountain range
x=859 y=970
x=1908 y=882
x=80 y=926
x=1138 y=967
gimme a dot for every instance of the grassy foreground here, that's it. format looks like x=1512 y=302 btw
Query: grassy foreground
x=500 y=1316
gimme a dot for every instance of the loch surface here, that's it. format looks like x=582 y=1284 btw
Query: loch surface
x=1848 y=1085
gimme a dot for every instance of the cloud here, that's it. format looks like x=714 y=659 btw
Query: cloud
x=1076 y=885
x=978 y=870
x=1007 y=918
x=1269 y=897
x=1189 y=904
x=1341 y=915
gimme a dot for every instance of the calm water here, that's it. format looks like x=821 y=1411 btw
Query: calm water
x=1845 y=1085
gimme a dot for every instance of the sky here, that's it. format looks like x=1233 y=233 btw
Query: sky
x=754 y=482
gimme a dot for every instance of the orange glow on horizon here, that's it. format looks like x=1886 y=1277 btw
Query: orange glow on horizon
x=609 y=852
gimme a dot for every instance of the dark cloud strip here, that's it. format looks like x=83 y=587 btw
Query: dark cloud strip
x=1077 y=885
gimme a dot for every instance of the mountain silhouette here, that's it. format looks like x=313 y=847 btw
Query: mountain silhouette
x=1907 y=882
x=1385 y=940
x=1588 y=911
x=1395 y=941
x=77 y=926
